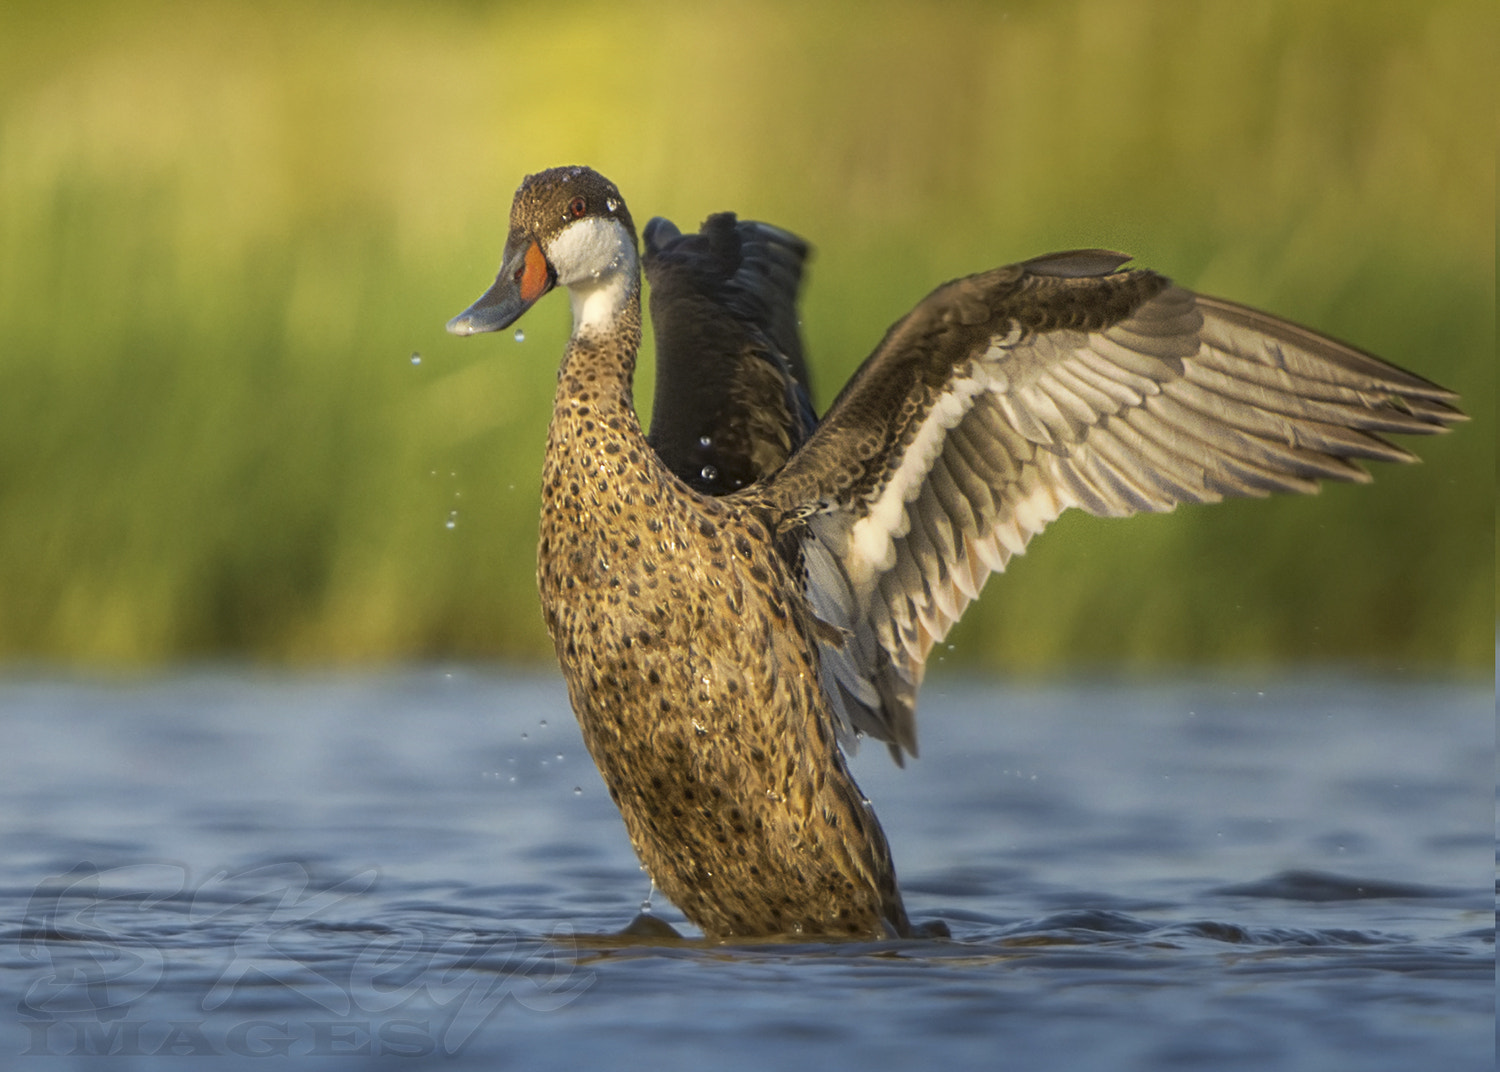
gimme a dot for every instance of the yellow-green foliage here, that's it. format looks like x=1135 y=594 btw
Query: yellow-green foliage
x=225 y=229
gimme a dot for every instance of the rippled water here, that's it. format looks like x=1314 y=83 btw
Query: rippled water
x=1294 y=875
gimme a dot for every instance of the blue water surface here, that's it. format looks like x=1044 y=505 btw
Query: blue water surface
x=396 y=870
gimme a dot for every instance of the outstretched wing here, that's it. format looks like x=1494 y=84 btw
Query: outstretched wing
x=1008 y=397
x=732 y=401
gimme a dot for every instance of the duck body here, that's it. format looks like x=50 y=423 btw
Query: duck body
x=718 y=650
x=689 y=660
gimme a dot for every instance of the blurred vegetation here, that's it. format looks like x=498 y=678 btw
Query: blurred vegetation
x=227 y=228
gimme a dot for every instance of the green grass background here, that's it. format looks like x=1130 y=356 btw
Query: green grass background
x=226 y=228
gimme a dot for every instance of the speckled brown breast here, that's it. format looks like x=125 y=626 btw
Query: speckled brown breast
x=686 y=650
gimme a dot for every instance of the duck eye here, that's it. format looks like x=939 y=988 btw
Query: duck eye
x=577 y=207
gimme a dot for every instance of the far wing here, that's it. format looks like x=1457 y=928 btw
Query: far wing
x=732 y=401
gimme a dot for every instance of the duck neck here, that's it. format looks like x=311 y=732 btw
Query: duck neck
x=599 y=265
x=599 y=365
x=605 y=303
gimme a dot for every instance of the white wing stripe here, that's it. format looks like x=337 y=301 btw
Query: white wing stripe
x=870 y=547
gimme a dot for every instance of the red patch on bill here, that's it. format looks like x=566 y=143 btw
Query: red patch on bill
x=536 y=277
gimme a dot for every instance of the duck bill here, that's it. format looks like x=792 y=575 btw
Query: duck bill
x=524 y=278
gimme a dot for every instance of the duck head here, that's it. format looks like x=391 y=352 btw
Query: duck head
x=568 y=226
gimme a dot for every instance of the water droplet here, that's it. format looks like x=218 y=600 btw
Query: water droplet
x=416 y=358
x=525 y=736
x=452 y=522
x=709 y=472
x=705 y=441
x=520 y=335
x=559 y=757
x=578 y=790
x=543 y=722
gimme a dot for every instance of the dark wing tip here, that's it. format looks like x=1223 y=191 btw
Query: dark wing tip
x=1431 y=406
x=660 y=233
x=700 y=260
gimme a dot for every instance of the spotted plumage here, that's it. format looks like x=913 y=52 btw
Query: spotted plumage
x=717 y=649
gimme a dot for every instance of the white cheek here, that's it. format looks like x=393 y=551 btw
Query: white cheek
x=596 y=260
x=589 y=249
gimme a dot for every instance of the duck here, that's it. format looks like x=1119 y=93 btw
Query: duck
x=722 y=651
